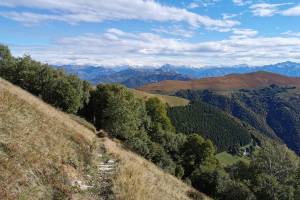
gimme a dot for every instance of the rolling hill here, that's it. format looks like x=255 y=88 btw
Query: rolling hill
x=172 y=101
x=46 y=154
x=225 y=83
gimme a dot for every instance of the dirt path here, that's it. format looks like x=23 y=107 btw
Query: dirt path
x=106 y=172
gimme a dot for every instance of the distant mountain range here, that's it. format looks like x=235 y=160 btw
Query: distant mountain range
x=137 y=77
x=286 y=68
x=130 y=77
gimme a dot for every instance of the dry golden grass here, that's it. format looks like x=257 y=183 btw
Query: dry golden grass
x=41 y=149
x=138 y=179
x=36 y=143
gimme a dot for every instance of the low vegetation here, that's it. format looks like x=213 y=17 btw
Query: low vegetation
x=226 y=159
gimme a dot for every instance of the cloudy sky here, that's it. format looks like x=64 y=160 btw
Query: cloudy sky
x=152 y=32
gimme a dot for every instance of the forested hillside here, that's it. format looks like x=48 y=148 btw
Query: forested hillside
x=273 y=110
x=211 y=123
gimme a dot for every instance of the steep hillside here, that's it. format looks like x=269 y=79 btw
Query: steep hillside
x=272 y=110
x=210 y=122
x=45 y=154
x=229 y=82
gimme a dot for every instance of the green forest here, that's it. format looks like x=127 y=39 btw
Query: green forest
x=210 y=122
x=179 y=140
x=274 y=111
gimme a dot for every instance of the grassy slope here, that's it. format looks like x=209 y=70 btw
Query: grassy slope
x=228 y=82
x=170 y=100
x=227 y=159
x=42 y=149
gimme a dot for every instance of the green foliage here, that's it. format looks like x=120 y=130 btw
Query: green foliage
x=210 y=122
x=144 y=126
x=117 y=110
x=53 y=86
x=272 y=174
x=158 y=113
x=237 y=191
x=197 y=151
x=210 y=180
x=140 y=146
x=159 y=156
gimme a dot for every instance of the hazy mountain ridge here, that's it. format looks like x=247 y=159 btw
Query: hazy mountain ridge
x=285 y=68
x=136 y=77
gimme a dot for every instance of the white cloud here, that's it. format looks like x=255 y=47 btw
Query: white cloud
x=229 y=16
x=264 y=9
x=241 y=2
x=291 y=33
x=116 y=47
x=294 y=11
x=267 y=9
x=96 y=11
x=175 y=31
x=243 y=33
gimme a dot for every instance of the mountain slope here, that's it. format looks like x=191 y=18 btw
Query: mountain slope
x=45 y=154
x=86 y=72
x=229 y=82
x=129 y=77
x=137 y=77
x=197 y=117
x=273 y=111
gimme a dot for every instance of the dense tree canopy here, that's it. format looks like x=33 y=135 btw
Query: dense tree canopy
x=211 y=123
x=64 y=91
x=116 y=109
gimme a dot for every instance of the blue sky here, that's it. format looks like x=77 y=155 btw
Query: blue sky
x=153 y=32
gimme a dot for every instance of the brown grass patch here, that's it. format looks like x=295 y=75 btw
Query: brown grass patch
x=229 y=82
x=36 y=141
x=138 y=179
